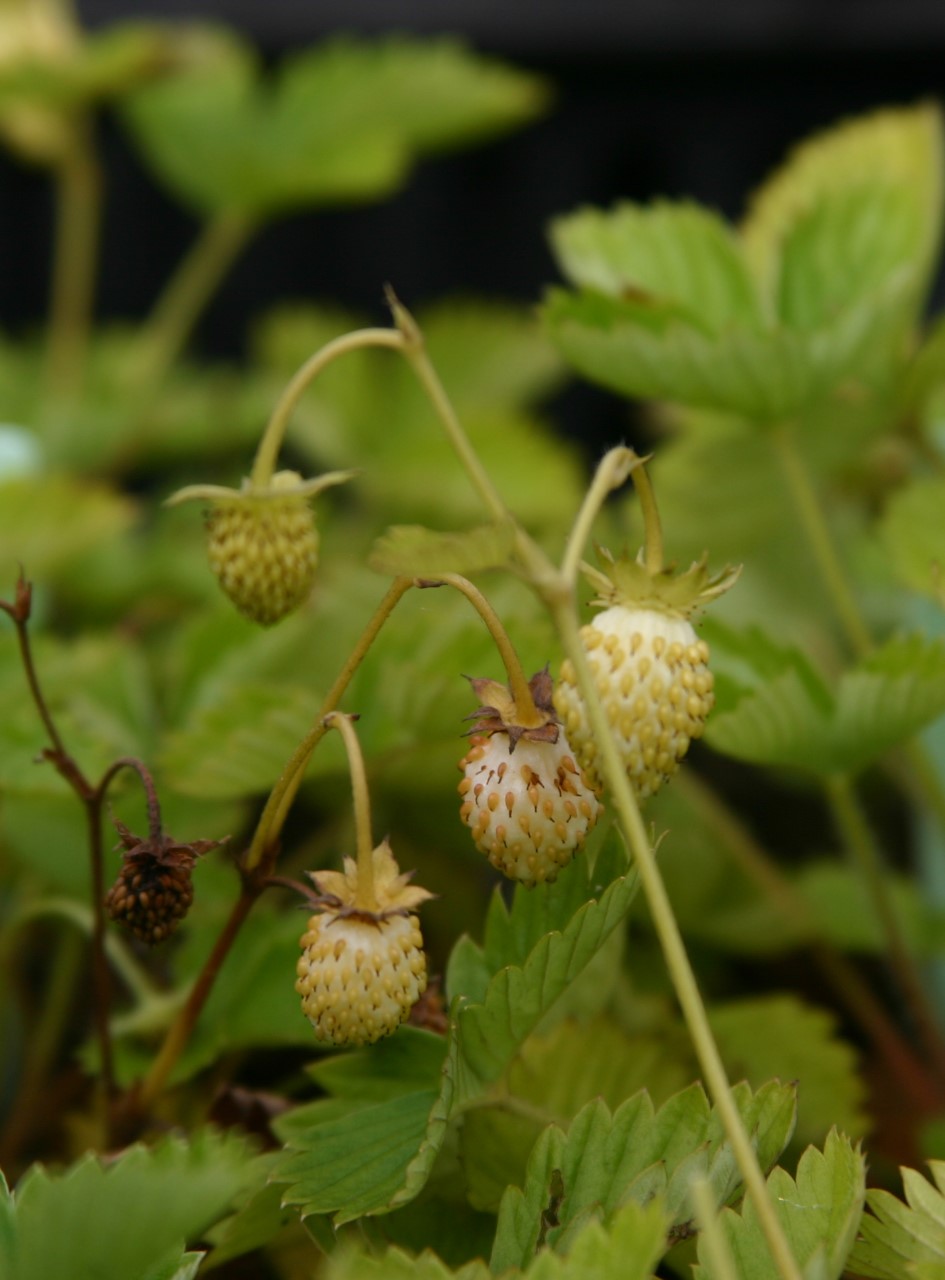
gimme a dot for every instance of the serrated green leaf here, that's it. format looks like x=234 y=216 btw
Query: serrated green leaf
x=896 y=148
x=605 y=1160
x=341 y=122
x=819 y=1212
x=519 y=996
x=395 y=1264
x=335 y=1171
x=899 y=1241
x=411 y=549
x=772 y=707
x=676 y=253
x=555 y=1075
x=380 y=1176
x=650 y=348
x=118 y=1220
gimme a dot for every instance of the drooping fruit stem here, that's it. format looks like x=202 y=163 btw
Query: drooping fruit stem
x=680 y=969
x=155 y=829
x=652 y=529
x=365 y=896
x=262 y=850
x=526 y=713
x=271 y=442
x=612 y=471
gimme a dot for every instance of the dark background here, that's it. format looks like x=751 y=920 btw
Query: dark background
x=653 y=97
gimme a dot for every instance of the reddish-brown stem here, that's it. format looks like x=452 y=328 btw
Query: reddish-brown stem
x=180 y=1032
x=101 y=978
x=141 y=769
x=91 y=798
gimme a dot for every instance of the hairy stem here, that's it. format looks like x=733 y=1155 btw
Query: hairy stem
x=154 y=806
x=261 y=852
x=265 y=462
x=525 y=709
x=652 y=528
x=674 y=951
x=180 y=1031
x=612 y=470
x=366 y=897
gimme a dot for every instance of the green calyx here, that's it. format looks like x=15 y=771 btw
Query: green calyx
x=284 y=484
x=627 y=581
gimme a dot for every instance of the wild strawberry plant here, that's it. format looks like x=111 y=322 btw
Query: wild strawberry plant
x=317 y=1037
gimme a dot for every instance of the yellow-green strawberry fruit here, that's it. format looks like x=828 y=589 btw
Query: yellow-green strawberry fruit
x=652 y=674
x=359 y=979
x=263 y=552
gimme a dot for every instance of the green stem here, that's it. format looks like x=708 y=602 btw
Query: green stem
x=652 y=528
x=186 y=294
x=74 y=264
x=714 y=1242
x=674 y=951
x=525 y=710
x=821 y=543
x=266 y=836
x=268 y=451
x=612 y=471
x=415 y=352
x=861 y=846
x=365 y=897
x=180 y=1031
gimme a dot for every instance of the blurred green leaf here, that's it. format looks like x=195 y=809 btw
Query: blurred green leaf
x=772 y=707
x=890 y=150
x=411 y=549
x=33 y=533
x=819 y=1212
x=761 y=1037
x=679 y=254
x=341 y=122
x=637 y=1153
x=914 y=535
x=121 y=1219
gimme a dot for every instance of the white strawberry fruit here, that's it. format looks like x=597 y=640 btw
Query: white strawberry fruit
x=650 y=668
x=362 y=969
x=524 y=797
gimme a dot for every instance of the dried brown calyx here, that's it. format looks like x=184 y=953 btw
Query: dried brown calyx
x=499 y=712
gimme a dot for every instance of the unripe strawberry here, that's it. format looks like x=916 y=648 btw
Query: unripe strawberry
x=525 y=800
x=262 y=541
x=650 y=669
x=264 y=550
x=362 y=968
